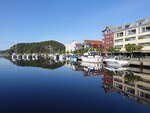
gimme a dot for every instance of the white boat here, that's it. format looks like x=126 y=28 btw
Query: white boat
x=61 y=57
x=88 y=57
x=117 y=71
x=115 y=62
x=95 y=66
x=74 y=58
x=56 y=57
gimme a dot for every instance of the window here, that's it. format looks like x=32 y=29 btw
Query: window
x=130 y=90
x=120 y=34
x=145 y=29
x=130 y=38
x=118 y=46
x=144 y=36
x=118 y=80
x=143 y=87
x=119 y=40
x=118 y=86
x=129 y=83
x=145 y=44
x=145 y=95
x=148 y=29
x=109 y=42
x=145 y=80
x=132 y=32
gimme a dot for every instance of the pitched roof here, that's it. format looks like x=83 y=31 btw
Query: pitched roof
x=111 y=28
x=79 y=44
x=145 y=21
x=93 y=41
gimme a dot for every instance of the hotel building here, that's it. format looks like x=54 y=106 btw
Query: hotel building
x=108 y=34
x=133 y=33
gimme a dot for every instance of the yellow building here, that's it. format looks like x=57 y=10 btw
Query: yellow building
x=134 y=33
x=139 y=90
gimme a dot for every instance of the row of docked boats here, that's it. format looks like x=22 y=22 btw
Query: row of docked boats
x=92 y=58
x=89 y=57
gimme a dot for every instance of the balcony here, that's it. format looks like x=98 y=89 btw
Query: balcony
x=145 y=29
x=120 y=34
x=131 y=32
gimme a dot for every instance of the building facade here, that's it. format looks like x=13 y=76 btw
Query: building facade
x=139 y=89
x=93 y=44
x=108 y=34
x=134 y=33
x=79 y=46
x=72 y=46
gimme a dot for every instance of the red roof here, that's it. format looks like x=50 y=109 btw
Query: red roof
x=94 y=41
x=79 y=44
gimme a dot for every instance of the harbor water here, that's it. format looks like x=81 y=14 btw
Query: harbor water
x=47 y=86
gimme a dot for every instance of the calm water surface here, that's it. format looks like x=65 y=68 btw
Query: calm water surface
x=54 y=87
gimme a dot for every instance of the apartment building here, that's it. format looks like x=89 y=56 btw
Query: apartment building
x=133 y=33
x=108 y=34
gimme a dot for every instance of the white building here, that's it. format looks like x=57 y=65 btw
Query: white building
x=72 y=46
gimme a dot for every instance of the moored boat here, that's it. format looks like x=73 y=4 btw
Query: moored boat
x=88 y=57
x=74 y=58
x=95 y=66
x=115 y=62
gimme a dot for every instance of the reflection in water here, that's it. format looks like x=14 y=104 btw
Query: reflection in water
x=89 y=69
x=43 y=63
x=131 y=82
x=133 y=85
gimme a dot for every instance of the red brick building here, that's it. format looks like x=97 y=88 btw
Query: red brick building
x=108 y=34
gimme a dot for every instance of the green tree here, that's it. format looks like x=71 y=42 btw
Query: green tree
x=37 y=47
x=113 y=50
x=132 y=78
x=85 y=50
x=132 y=48
x=99 y=50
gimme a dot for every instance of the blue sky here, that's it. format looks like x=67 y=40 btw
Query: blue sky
x=64 y=20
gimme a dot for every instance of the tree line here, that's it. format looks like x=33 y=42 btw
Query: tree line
x=37 y=47
x=129 y=48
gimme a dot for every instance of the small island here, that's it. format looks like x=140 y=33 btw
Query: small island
x=36 y=47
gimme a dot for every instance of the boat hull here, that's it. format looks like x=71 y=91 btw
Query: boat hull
x=115 y=63
x=91 y=59
x=89 y=65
